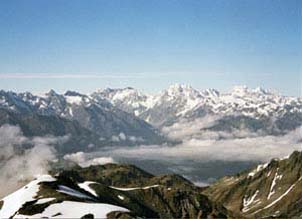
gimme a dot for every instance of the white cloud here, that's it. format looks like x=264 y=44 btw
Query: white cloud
x=115 y=138
x=122 y=136
x=19 y=163
x=186 y=130
x=82 y=159
x=259 y=148
x=136 y=139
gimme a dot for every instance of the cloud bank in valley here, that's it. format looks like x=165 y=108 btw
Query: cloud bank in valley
x=22 y=158
x=187 y=129
x=18 y=162
x=209 y=148
x=197 y=129
x=200 y=145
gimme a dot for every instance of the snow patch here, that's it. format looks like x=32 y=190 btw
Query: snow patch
x=280 y=197
x=247 y=201
x=44 y=200
x=272 y=190
x=121 y=197
x=70 y=209
x=74 y=99
x=134 y=188
x=86 y=187
x=13 y=202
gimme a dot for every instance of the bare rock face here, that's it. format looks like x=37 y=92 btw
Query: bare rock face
x=87 y=121
x=271 y=190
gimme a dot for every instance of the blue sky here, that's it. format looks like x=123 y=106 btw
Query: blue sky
x=85 y=45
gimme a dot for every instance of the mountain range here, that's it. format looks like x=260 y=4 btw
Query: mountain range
x=271 y=190
x=127 y=117
x=257 y=109
x=130 y=116
x=89 y=123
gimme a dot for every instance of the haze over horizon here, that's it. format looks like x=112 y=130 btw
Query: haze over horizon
x=156 y=92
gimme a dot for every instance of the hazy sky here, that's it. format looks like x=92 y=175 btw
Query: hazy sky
x=85 y=45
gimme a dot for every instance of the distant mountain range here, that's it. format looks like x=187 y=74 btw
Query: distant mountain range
x=271 y=190
x=254 y=109
x=128 y=117
x=90 y=123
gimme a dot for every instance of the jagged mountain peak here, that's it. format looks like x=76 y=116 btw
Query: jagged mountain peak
x=52 y=92
x=261 y=90
x=95 y=114
x=127 y=99
x=179 y=100
x=119 y=93
x=12 y=101
x=180 y=89
x=178 y=86
x=243 y=90
x=7 y=92
x=174 y=104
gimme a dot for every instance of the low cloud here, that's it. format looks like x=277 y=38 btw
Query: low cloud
x=252 y=148
x=22 y=158
x=123 y=137
x=83 y=160
x=186 y=130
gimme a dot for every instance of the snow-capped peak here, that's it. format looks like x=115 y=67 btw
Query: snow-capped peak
x=244 y=90
x=260 y=90
x=52 y=92
x=240 y=90
x=180 y=100
x=181 y=89
x=175 y=102
x=210 y=92
x=119 y=93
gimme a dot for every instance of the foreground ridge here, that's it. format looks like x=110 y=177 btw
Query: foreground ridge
x=271 y=190
x=109 y=191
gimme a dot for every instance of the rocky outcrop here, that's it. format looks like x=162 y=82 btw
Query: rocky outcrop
x=270 y=190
